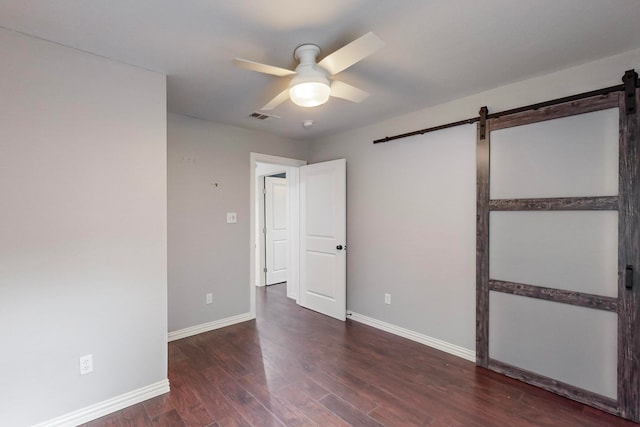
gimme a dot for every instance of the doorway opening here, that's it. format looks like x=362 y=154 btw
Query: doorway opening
x=274 y=227
x=261 y=166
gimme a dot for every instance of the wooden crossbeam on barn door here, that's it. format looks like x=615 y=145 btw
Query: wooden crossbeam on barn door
x=627 y=205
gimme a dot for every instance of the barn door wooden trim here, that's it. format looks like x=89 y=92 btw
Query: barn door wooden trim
x=482 y=241
x=629 y=251
x=627 y=203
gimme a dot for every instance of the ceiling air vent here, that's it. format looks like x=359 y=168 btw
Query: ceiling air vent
x=262 y=116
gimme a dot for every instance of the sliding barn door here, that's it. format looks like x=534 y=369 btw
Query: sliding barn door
x=558 y=249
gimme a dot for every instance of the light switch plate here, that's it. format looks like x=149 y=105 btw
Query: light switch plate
x=232 y=218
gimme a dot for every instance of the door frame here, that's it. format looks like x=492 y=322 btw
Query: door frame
x=292 y=166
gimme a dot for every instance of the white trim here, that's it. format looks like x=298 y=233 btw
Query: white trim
x=210 y=326
x=293 y=276
x=108 y=406
x=453 y=349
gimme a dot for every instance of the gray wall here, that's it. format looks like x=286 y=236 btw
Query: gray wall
x=205 y=253
x=411 y=230
x=83 y=229
x=411 y=204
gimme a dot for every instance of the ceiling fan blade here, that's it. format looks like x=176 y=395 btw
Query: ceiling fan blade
x=277 y=100
x=348 y=92
x=348 y=55
x=262 y=68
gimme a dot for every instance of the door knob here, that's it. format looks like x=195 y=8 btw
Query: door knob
x=339 y=247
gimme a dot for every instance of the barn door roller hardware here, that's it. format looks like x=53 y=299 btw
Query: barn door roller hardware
x=484 y=111
x=630 y=80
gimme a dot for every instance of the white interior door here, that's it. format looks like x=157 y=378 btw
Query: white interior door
x=276 y=232
x=323 y=233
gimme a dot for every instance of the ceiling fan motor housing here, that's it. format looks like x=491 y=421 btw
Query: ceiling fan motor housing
x=306 y=53
x=308 y=70
x=310 y=86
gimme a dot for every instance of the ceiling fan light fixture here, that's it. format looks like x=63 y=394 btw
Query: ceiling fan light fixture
x=310 y=87
x=310 y=94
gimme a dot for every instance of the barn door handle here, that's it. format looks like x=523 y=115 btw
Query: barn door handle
x=628 y=277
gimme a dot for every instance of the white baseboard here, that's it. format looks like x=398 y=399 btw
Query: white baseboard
x=109 y=406
x=453 y=349
x=210 y=326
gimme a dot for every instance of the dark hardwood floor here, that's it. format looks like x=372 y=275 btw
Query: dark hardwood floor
x=295 y=367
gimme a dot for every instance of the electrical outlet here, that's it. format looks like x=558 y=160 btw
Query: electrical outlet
x=387 y=298
x=209 y=298
x=232 y=217
x=86 y=364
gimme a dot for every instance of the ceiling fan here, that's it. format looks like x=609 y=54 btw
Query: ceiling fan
x=312 y=83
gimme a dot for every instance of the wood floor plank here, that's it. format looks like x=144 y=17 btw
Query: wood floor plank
x=286 y=412
x=158 y=405
x=356 y=397
x=402 y=408
x=315 y=411
x=169 y=419
x=310 y=387
x=248 y=406
x=422 y=400
x=399 y=416
x=304 y=370
x=350 y=414
x=240 y=399
x=228 y=360
x=205 y=386
x=447 y=421
x=234 y=420
x=389 y=417
x=176 y=354
x=134 y=416
x=430 y=399
x=188 y=405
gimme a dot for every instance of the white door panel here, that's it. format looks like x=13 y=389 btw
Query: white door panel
x=320 y=265
x=276 y=220
x=280 y=255
x=323 y=238
x=320 y=220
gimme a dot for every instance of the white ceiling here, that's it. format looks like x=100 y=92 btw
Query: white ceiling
x=436 y=50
